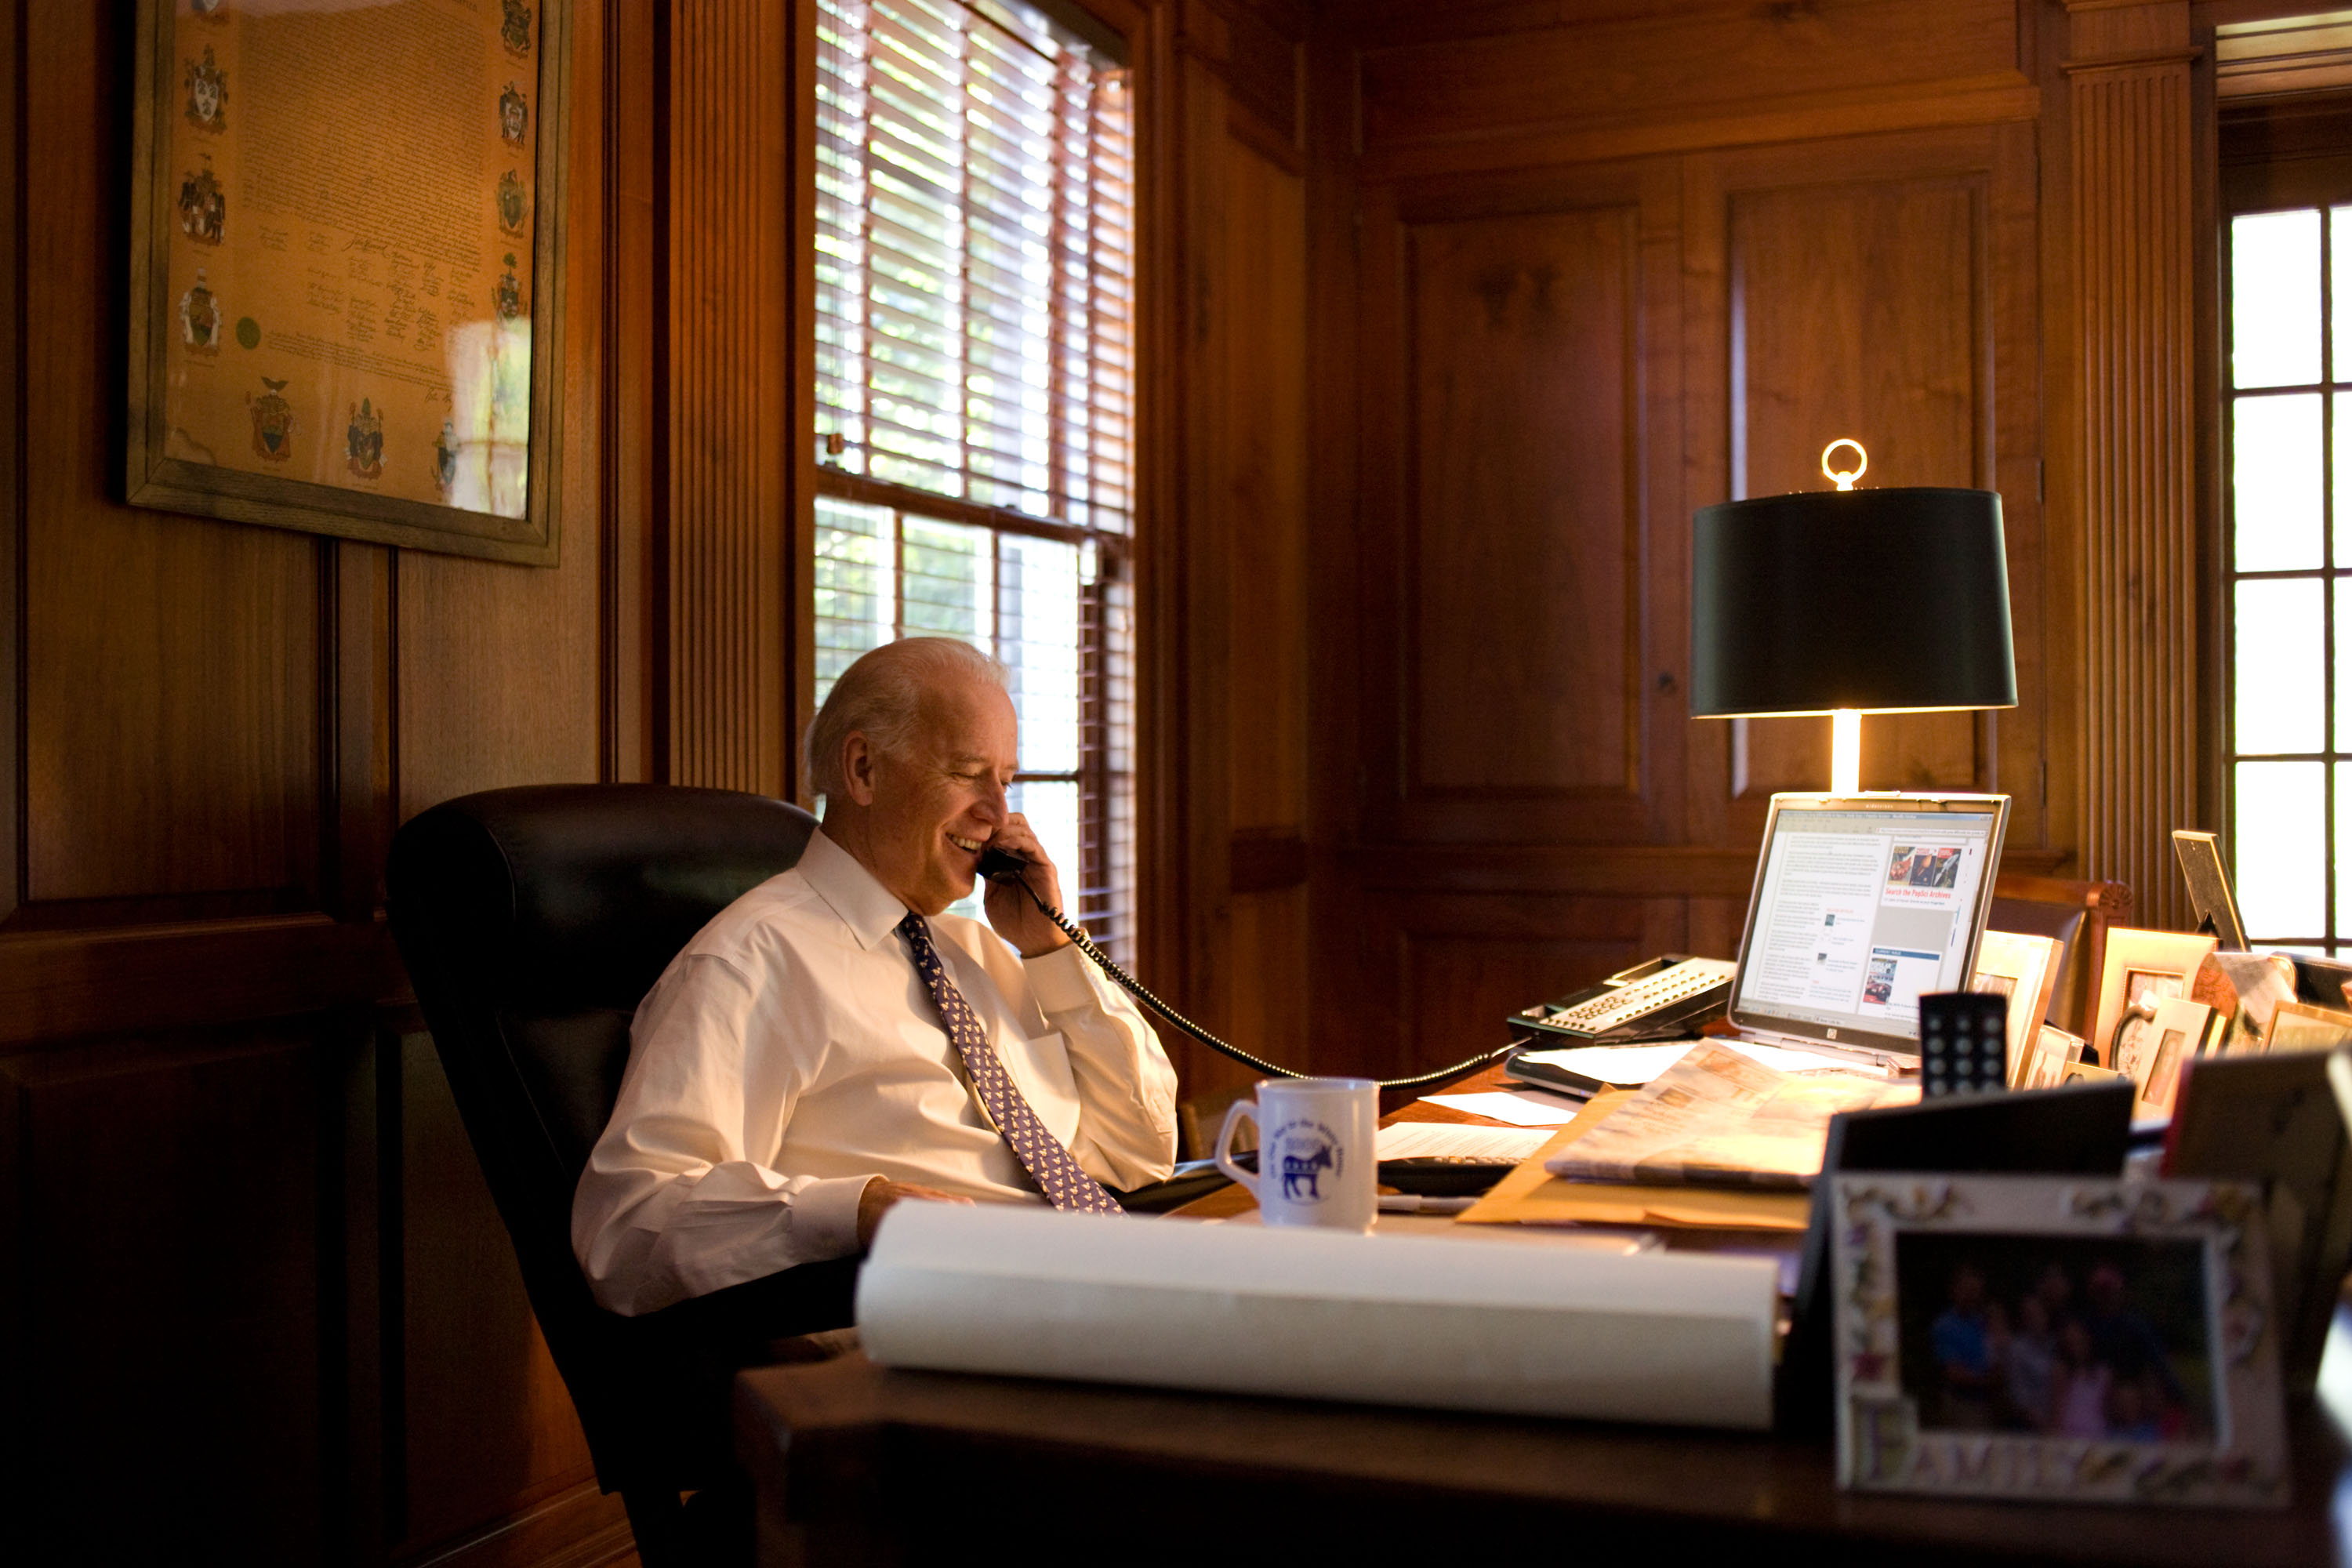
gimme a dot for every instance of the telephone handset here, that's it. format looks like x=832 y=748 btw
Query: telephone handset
x=1663 y=998
x=997 y=866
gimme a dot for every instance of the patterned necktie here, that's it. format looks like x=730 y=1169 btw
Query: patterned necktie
x=1049 y=1164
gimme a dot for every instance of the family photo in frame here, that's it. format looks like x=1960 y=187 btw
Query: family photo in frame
x=2056 y=1338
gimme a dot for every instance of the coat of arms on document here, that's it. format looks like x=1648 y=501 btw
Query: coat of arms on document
x=508 y=292
x=273 y=421
x=204 y=206
x=207 y=93
x=200 y=318
x=514 y=116
x=445 y=456
x=514 y=30
x=514 y=203
x=363 y=442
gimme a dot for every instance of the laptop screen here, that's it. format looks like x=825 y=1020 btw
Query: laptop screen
x=1861 y=904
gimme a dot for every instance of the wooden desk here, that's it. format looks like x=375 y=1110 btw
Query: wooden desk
x=856 y=1464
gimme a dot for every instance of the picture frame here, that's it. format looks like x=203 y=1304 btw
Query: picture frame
x=2208 y=887
x=2138 y=962
x=2054 y=1050
x=347 y=270
x=2301 y=1027
x=2025 y=969
x=2153 y=1372
x=2246 y=989
x=2275 y=1120
x=2154 y=1058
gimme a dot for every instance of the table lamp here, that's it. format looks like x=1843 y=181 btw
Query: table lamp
x=1849 y=601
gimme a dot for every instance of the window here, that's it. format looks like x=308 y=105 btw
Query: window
x=975 y=383
x=2287 y=420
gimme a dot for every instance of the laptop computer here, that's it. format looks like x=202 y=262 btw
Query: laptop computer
x=1862 y=904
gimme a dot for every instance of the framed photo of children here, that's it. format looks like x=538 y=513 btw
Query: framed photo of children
x=2059 y=1338
x=347 y=269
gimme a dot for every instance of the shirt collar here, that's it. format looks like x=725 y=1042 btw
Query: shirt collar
x=869 y=910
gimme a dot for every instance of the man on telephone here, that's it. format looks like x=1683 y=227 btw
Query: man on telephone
x=834 y=1042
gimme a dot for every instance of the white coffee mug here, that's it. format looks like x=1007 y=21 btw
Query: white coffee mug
x=1317 y=1161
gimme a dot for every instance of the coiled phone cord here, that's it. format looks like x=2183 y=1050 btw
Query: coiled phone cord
x=1135 y=988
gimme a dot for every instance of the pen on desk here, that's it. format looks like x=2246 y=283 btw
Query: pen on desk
x=1412 y=1202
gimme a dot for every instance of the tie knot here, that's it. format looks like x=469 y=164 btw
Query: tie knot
x=911 y=928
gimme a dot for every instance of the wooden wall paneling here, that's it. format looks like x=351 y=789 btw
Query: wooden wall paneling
x=1165 y=287
x=1337 y=781
x=1855 y=311
x=732 y=420
x=1447 y=91
x=170 y=667
x=1257 y=520
x=1648 y=64
x=1260 y=328
x=1191 y=543
x=1511 y=494
x=1450 y=967
x=635 y=95
x=356 y=725
x=14 y=216
x=500 y=673
x=2133 y=366
x=1883 y=289
x=165 y=1266
x=485 y=1428
x=799 y=246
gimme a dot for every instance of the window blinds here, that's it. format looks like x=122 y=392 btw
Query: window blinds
x=975 y=388
x=974 y=259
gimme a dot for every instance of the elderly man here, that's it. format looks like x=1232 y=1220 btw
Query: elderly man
x=834 y=1042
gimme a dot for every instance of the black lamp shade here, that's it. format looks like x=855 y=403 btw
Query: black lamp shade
x=1883 y=600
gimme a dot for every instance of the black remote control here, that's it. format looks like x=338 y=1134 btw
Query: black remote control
x=1963 y=1043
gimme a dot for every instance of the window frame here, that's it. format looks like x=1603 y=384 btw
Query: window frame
x=2270 y=163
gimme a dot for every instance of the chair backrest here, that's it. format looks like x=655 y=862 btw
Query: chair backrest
x=2078 y=914
x=532 y=921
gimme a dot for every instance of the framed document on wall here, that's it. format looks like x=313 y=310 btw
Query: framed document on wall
x=346 y=269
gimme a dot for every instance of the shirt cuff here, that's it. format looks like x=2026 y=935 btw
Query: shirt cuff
x=1062 y=980
x=825 y=1217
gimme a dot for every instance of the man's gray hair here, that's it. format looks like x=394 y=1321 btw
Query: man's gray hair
x=882 y=696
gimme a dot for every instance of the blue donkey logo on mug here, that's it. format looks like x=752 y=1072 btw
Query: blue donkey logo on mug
x=1306 y=1150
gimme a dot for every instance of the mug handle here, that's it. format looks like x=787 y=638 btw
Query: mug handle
x=1234 y=1114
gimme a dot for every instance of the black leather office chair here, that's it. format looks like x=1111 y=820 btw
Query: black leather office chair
x=532 y=922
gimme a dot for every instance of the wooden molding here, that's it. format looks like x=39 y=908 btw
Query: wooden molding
x=732 y=422
x=66 y=984
x=1993 y=99
x=2134 y=307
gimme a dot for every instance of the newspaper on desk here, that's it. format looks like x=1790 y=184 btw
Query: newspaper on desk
x=1719 y=1118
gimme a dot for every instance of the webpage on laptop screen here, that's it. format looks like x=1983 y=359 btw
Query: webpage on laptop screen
x=1861 y=912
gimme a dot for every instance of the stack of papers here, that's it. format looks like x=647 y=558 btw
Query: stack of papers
x=1717 y=1117
x=1520 y=1109
x=1451 y=1140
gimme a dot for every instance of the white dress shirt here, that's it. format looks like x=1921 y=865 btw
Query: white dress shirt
x=792 y=1053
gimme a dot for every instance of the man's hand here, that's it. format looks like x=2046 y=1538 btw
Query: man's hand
x=880 y=1194
x=1010 y=910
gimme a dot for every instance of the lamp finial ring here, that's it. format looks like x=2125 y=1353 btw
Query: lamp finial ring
x=1845 y=478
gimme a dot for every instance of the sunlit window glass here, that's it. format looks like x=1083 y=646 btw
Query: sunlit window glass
x=2290 y=702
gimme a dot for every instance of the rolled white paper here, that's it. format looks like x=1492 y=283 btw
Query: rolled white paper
x=1436 y=1322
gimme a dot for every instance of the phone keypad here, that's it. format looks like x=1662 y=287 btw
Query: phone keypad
x=1679 y=984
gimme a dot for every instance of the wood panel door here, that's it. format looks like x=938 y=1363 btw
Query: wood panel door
x=1519 y=484
x=1880 y=289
